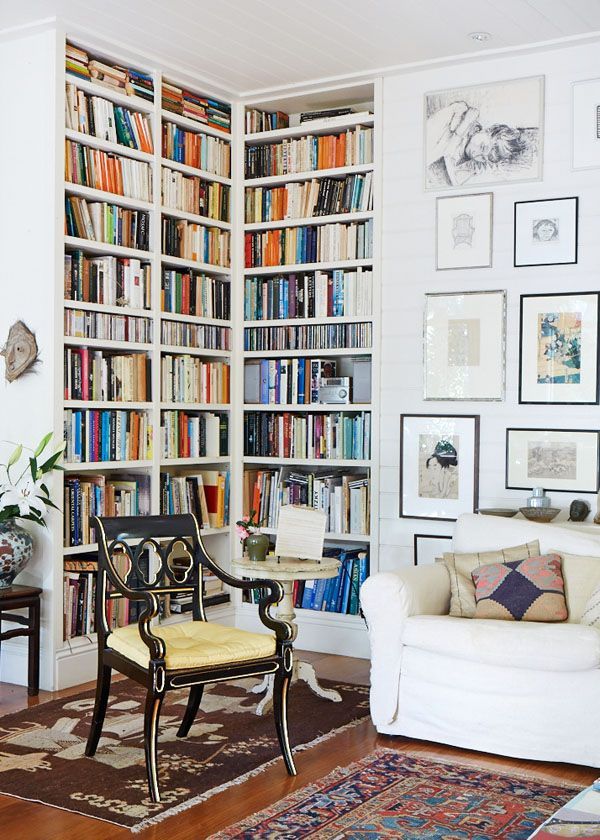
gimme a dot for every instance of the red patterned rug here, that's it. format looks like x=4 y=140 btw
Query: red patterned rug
x=390 y=794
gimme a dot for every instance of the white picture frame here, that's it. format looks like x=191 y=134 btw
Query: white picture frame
x=463 y=225
x=464 y=340
x=546 y=232
x=585 y=124
x=562 y=460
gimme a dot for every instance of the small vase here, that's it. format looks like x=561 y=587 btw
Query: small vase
x=256 y=546
x=16 y=550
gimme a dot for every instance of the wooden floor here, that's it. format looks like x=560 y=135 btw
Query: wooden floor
x=28 y=821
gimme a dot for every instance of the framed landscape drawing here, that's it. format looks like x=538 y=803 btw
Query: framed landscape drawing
x=427 y=547
x=556 y=459
x=585 y=124
x=484 y=134
x=464 y=343
x=546 y=232
x=558 y=348
x=439 y=465
x=463 y=226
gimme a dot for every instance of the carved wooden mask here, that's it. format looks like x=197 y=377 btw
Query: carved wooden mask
x=20 y=351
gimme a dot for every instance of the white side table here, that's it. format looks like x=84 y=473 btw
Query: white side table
x=287 y=570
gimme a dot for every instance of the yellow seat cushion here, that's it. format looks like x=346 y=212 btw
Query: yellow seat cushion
x=194 y=644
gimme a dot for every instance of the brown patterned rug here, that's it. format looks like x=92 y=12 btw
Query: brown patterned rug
x=42 y=749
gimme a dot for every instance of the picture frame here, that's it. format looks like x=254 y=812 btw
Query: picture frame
x=559 y=343
x=485 y=134
x=561 y=460
x=464 y=341
x=463 y=231
x=426 y=547
x=439 y=465
x=585 y=124
x=546 y=232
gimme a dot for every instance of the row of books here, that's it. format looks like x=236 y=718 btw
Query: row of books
x=189 y=379
x=285 y=381
x=309 y=337
x=101 y=118
x=91 y=374
x=319 y=294
x=309 y=244
x=81 y=323
x=109 y=435
x=201 y=336
x=319 y=197
x=79 y=599
x=202 y=151
x=200 y=435
x=110 y=223
x=125 y=79
x=191 y=241
x=114 y=281
x=104 y=171
x=333 y=436
x=196 y=107
x=193 y=293
x=265 y=120
x=206 y=494
x=88 y=495
x=308 y=154
x=195 y=195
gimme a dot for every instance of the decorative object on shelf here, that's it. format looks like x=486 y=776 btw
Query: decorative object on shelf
x=579 y=510
x=546 y=232
x=558 y=348
x=464 y=335
x=538 y=498
x=20 y=351
x=464 y=231
x=427 y=548
x=507 y=513
x=484 y=134
x=545 y=514
x=585 y=125
x=564 y=459
x=255 y=544
x=439 y=465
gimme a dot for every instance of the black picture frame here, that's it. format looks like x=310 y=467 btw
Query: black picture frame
x=518 y=204
x=552 y=484
x=417 y=537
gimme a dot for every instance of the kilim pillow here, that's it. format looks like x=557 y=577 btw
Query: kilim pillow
x=521 y=590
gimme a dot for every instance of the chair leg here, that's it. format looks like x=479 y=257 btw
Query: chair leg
x=151 y=715
x=101 y=702
x=280 y=693
x=191 y=711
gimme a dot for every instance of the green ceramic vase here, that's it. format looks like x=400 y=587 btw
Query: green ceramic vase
x=256 y=546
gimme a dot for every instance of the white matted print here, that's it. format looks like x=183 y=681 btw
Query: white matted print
x=464 y=231
x=464 y=345
x=555 y=459
x=427 y=548
x=546 y=232
x=484 y=134
x=439 y=465
x=585 y=125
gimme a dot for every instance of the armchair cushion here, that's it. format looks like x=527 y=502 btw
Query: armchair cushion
x=194 y=644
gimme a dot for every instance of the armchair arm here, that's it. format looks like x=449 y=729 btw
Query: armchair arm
x=284 y=631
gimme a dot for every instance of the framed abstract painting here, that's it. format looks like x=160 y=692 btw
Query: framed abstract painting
x=563 y=460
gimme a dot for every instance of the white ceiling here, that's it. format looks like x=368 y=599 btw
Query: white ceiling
x=245 y=46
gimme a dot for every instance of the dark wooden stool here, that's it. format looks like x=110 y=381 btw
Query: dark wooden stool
x=18 y=598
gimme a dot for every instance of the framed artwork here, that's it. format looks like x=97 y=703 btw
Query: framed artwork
x=439 y=465
x=484 y=134
x=427 y=547
x=565 y=460
x=585 y=124
x=464 y=342
x=558 y=348
x=546 y=232
x=463 y=225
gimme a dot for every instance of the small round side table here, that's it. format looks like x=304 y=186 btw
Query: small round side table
x=287 y=570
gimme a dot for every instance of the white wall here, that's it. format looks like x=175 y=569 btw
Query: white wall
x=408 y=272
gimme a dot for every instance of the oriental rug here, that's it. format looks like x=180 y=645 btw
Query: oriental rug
x=392 y=794
x=42 y=748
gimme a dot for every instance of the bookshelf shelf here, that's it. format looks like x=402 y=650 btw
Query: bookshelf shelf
x=180 y=406
x=307 y=462
x=107 y=465
x=139 y=406
x=331 y=536
x=300 y=322
x=311 y=220
x=194 y=351
x=197 y=173
x=111 y=198
x=194 y=217
x=136 y=103
x=106 y=343
x=108 y=146
x=195 y=462
x=312 y=127
x=311 y=407
x=193 y=319
x=318 y=266
x=208 y=268
x=194 y=125
x=92 y=246
x=309 y=175
x=290 y=354
x=107 y=309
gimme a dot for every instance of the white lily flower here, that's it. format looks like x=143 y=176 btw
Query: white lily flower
x=27 y=495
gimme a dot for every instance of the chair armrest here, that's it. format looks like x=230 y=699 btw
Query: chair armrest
x=284 y=631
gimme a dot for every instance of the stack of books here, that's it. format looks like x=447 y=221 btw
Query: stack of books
x=199 y=435
x=202 y=336
x=325 y=114
x=111 y=173
x=194 y=195
x=198 y=150
x=335 y=436
x=109 y=435
x=81 y=323
x=192 y=293
x=129 y=81
x=309 y=337
x=211 y=112
x=101 y=118
x=77 y=62
x=191 y=241
x=324 y=197
x=205 y=494
x=188 y=379
x=108 y=280
x=109 y=223
x=309 y=244
x=97 y=375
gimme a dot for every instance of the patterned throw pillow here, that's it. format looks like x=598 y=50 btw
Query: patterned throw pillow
x=521 y=590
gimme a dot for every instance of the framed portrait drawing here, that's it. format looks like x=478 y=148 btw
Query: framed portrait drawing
x=558 y=348
x=585 y=124
x=464 y=345
x=546 y=232
x=484 y=134
x=428 y=547
x=439 y=465
x=463 y=225
x=564 y=460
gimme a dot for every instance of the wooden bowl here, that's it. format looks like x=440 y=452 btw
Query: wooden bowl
x=546 y=514
x=508 y=512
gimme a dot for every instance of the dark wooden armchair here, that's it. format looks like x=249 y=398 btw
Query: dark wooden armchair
x=188 y=654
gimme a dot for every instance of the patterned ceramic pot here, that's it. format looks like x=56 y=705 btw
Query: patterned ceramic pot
x=16 y=550
x=256 y=546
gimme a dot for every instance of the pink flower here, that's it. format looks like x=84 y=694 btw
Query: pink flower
x=242 y=532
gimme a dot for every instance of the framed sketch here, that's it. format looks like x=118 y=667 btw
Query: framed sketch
x=564 y=460
x=585 y=124
x=546 y=232
x=464 y=343
x=463 y=225
x=428 y=547
x=558 y=348
x=439 y=465
x=484 y=134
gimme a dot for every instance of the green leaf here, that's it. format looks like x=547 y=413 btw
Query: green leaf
x=50 y=464
x=15 y=456
x=33 y=466
x=42 y=444
x=51 y=504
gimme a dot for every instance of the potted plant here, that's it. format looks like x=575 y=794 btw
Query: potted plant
x=255 y=544
x=23 y=495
